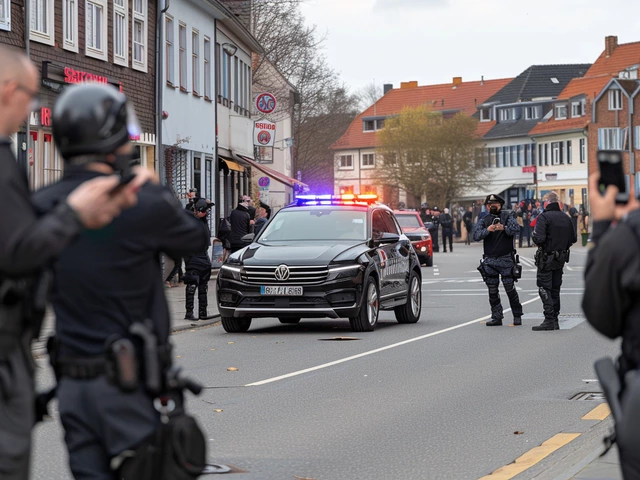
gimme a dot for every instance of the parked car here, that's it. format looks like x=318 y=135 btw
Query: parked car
x=336 y=256
x=413 y=227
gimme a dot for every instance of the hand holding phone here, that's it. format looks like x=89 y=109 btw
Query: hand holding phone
x=496 y=221
x=612 y=173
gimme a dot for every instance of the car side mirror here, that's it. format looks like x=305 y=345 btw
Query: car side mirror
x=248 y=238
x=387 y=237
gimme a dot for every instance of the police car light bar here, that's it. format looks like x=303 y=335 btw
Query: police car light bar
x=344 y=199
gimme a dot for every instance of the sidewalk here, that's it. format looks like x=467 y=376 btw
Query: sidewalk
x=601 y=468
x=175 y=299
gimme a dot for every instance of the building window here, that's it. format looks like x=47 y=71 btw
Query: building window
x=41 y=20
x=546 y=154
x=583 y=150
x=555 y=153
x=195 y=62
x=531 y=113
x=207 y=68
x=569 y=152
x=615 y=100
x=228 y=79
x=540 y=154
x=225 y=84
x=96 y=28
x=5 y=15
x=610 y=138
x=521 y=155
x=52 y=164
x=561 y=112
x=577 y=109
x=346 y=162
x=241 y=85
x=368 y=160
x=236 y=81
x=507 y=114
x=369 y=189
x=182 y=57
x=369 y=125
x=169 y=51
x=247 y=85
x=139 y=35
x=217 y=69
x=346 y=189
x=120 y=30
x=485 y=114
x=529 y=154
x=69 y=24
x=500 y=157
x=513 y=153
x=636 y=137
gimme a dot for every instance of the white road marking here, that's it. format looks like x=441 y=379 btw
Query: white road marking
x=570 y=269
x=377 y=350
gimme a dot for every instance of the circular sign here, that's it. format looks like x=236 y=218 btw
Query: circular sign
x=264 y=137
x=264 y=181
x=266 y=102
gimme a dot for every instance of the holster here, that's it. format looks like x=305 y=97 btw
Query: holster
x=481 y=269
x=516 y=271
x=13 y=298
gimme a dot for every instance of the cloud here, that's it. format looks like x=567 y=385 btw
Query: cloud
x=404 y=4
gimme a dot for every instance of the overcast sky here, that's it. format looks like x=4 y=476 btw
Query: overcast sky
x=432 y=41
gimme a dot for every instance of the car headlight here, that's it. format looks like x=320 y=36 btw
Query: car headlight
x=344 y=271
x=228 y=271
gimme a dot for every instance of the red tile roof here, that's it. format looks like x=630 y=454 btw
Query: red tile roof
x=622 y=57
x=484 y=127
x=557 y=126
x=589 y=86
x=445 y=97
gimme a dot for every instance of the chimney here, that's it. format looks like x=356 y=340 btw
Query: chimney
x=405 y=85
x=386 y=88
x=482 y=80
x=457 y=81
x=610 y=44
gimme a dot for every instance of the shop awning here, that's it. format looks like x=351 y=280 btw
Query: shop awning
x=482 y=192
x=231 y=164
x=280 y=177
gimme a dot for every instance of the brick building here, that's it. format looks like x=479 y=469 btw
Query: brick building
x=70 y=41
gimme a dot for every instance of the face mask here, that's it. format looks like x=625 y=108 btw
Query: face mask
x=493 y=210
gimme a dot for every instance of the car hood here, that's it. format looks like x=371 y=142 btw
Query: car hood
x=412 y=232
x=309 y=253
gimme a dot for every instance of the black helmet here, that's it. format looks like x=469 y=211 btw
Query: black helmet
x=92 y=119
x=494 y=199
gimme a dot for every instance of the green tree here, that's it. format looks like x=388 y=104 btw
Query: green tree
x=431 y=155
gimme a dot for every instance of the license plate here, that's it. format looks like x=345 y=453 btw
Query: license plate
x=284 y=291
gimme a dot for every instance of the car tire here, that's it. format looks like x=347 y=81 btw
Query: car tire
x=429 y=261
x=410 y=311
x=367 y=317
x=289 y=320
x=235 y=325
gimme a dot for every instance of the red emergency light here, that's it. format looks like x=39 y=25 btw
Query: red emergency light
x=344 y=199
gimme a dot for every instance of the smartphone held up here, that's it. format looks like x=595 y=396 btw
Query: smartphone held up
x=612 y=173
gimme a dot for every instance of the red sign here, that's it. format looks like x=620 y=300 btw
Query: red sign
x=266 y=126
x=45 y=117
x=266 y=102
x=77 y=76
x=530 y=169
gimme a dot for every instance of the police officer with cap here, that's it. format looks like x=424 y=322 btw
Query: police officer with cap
x=27 y=245
x=497 y=229
x=108 y=296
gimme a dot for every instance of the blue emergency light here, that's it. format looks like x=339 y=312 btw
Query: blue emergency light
x=344 y=199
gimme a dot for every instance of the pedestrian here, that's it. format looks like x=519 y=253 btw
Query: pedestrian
x=27 y=245
x=574 y=214
x=497 y=229
x=423 y=213
x=176 y=270
x=198 y=270
x=241 y=222
x=525 y=231
x=467 y=219
x=261 y=220
x=611 y=300
x=108 y=286
x=447 y=230
x=267 y=209
x=554 y=234
x=435 y=223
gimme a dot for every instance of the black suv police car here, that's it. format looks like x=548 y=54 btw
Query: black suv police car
x=336 y=256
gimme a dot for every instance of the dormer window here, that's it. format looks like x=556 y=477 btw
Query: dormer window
x=531 y=113
x=615 y=100
x=507 y=114
x=561 y=111
x=485 y=114
x=577 y=109
x=372 y=125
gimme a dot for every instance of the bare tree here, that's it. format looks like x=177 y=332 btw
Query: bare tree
x=368 y=95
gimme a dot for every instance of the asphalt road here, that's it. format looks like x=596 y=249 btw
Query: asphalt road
x=446 y=398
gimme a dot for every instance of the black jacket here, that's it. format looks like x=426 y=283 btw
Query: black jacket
x=611 y=300
x=446 y=221
x=554 y=230
x=467 y=218
x=240 y=221
x=108 y=278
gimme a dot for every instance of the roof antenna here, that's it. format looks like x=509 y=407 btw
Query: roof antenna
x=376 y=101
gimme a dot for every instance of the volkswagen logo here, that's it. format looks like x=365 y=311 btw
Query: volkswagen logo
x=282 y=273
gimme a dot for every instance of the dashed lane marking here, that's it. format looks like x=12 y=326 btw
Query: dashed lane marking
x=601 y=412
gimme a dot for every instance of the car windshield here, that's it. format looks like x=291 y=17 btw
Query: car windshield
x=410 y=221
x=316 y=224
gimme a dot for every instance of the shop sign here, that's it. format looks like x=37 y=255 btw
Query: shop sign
x=529 y=169
x=45 y=117
x=78 y=76
x=264 y=133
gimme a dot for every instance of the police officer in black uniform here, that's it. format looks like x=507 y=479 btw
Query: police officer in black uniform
x=27 y=245
x=198 y=271
x=433 y=219
x=497 y=229
x=553 y=234
x=108 y=286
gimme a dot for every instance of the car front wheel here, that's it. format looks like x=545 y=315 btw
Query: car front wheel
x=410 y=311
x=367 y=317
x=235 y=325
x=430 y=261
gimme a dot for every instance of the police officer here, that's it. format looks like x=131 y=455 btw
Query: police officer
x=27 y=244
x=107 y=283
x=553 y=234
x=198 y=271
x=432 y=218
x=497 y=229
x=611 y=301
x=446 y=220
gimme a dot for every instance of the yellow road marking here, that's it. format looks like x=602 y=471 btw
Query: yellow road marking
x=601 y=412
x=532 y=457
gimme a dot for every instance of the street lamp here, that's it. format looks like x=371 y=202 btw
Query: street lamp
x=229 y=48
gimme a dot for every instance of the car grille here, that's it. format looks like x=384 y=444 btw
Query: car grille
x=299 y=275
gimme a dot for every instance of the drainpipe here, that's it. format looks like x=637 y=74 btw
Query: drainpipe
x=632 y=163
x=216 y=161
x=159 y=88
x=27 y=33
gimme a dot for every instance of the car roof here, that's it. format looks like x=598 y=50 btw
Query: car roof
x=359 y=207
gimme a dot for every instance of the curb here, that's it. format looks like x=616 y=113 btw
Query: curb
x=182 y=328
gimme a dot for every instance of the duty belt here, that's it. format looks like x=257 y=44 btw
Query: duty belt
x=84 y=368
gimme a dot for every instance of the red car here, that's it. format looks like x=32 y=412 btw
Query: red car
x=414 y=229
